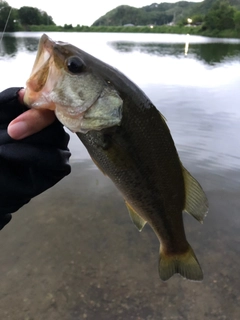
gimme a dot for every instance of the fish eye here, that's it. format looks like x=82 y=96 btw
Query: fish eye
x=75 y=65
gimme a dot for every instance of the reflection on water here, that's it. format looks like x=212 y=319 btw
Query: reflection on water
x=213 y=53
x=209 y=52
x=11 y=45
x=73 y=253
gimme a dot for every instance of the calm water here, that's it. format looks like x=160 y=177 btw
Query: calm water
x=72 y=253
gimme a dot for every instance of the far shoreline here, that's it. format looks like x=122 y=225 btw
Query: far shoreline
x=193 y=30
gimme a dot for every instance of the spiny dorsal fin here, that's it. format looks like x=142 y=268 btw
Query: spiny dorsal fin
x=162 y=116
x=196 y=203
x=136 y=219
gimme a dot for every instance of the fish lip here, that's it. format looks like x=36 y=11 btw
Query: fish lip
x=37 y=79
x=45 y=49
x=46 y=43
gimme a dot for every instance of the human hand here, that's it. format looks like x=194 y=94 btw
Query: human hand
x=34 y=158
x=29 y=122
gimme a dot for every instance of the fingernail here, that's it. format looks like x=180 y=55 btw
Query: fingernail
x=21 y=95
x=18 y=130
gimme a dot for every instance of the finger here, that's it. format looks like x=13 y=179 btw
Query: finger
x=21 y=95
x=29 y=123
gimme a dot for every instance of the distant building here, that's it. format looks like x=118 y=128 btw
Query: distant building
x=128 y=25
x=153 y=5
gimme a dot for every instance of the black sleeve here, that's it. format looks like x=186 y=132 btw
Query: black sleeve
x=31 y=165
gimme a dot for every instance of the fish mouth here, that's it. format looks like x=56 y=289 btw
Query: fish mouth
x=36 y=93
x=40 y=68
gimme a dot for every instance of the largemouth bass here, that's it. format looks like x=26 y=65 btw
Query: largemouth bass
x=128 y=139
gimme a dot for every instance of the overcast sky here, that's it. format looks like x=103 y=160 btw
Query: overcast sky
x=83 y=12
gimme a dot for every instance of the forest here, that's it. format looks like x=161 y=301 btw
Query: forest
x=20 y=19
x=210 y=18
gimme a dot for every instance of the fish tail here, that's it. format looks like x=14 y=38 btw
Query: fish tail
x=186 y=264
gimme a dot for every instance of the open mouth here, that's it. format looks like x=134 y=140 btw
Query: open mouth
x=41 y=65
x=38 y=85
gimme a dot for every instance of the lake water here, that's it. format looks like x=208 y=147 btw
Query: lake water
x=73 y=254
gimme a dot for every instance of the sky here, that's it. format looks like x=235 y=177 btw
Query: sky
x=82 y=12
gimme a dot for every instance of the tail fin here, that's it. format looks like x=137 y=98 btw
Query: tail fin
x=186 y=264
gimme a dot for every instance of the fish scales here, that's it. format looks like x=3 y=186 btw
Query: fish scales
x=130 y=142
x=140 y=153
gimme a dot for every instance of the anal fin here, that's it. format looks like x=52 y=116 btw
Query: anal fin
x=136 y=218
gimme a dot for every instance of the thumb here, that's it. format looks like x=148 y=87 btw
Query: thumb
x=30 y=122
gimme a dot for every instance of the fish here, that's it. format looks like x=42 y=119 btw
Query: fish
x=129 y=141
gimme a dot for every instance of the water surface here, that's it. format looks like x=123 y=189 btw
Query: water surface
x=73 y=253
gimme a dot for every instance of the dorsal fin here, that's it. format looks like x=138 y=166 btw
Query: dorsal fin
x=135 y=217
x=162 y=116
x=196 y=203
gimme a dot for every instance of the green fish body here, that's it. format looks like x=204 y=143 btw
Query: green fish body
x=128 y=139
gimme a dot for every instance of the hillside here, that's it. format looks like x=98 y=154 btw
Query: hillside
x=205 y=6
x=156 y=14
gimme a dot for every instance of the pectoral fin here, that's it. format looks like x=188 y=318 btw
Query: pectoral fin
x=135 y=217
x=196 y=203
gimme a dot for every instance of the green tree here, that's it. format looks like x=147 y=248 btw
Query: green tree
x=10 y=23
x=68 y=26
x=197 y=19
x=33 y=16
x=237 y=20
x=220 y=17
x=46 y=19
x=3 y=4
x=29 y=16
